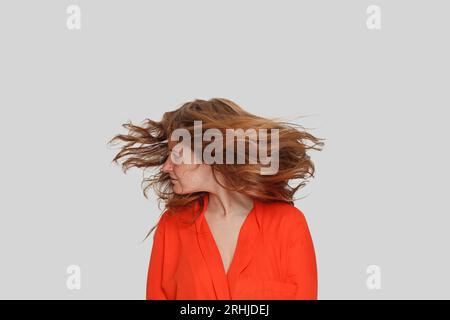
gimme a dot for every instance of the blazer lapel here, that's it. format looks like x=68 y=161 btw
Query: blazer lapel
x=249 y=238
x=211 y=256
x=208 y=261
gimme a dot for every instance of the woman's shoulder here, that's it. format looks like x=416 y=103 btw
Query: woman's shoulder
x=285 y=221
x=284 y=214
x=172 y=217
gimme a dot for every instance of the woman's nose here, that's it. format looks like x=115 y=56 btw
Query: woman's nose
x=168 y=165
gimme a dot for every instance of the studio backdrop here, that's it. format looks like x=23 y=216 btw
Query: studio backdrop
x=369 y=77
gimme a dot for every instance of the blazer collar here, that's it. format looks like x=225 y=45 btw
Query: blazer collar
x=249 y=237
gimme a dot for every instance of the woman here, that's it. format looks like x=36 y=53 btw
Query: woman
x=227 y=231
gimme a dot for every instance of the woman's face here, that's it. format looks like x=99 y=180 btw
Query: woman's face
x=186 y=176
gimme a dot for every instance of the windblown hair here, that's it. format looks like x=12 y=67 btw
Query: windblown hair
x=146 y=147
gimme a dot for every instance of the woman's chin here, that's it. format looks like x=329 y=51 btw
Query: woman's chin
x=176 y=189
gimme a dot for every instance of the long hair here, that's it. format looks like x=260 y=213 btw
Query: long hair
x=146 y=147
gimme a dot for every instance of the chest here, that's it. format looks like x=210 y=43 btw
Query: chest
x=226 y=235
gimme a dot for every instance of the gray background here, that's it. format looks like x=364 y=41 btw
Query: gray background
x=380 y=98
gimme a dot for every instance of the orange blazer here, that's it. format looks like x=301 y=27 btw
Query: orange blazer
x=274 y=257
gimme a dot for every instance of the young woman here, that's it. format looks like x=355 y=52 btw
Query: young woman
x=228 y=231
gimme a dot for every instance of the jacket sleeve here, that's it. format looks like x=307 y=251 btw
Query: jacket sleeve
x=154 y=289
x=301 y=259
